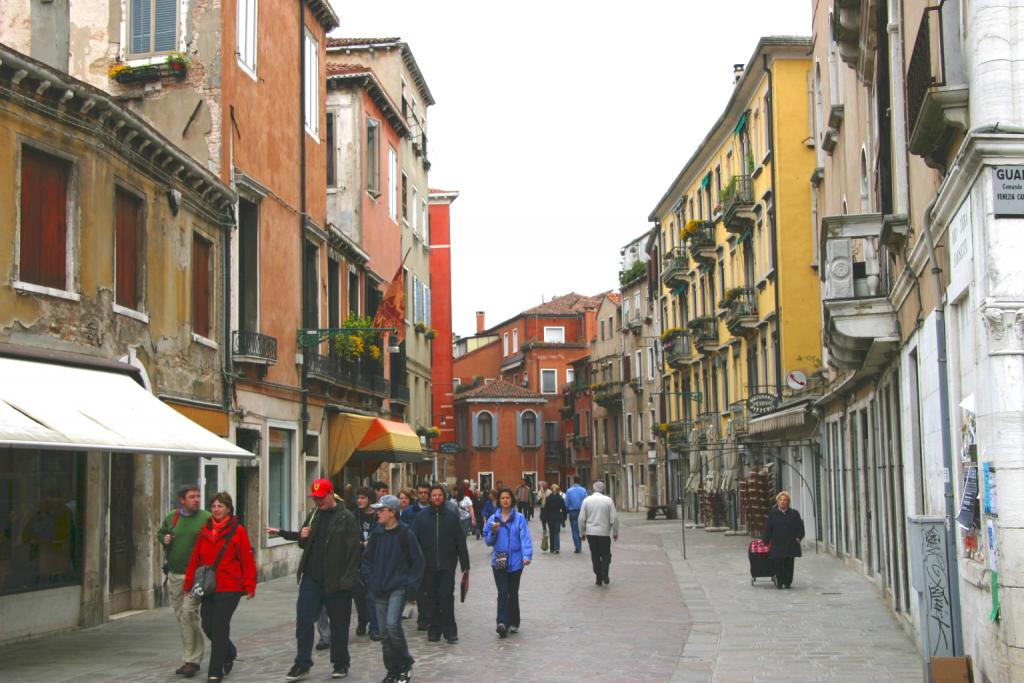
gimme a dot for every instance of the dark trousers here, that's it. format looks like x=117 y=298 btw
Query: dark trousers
x=439 y=602
x=784 y=570
x=312 y=599
x=215 y=613
x=554 y=529
x=508 y=596
x=366 y=608
x=600 y=554
x=525 y=509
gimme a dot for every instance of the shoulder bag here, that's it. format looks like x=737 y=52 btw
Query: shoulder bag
x=204 y=583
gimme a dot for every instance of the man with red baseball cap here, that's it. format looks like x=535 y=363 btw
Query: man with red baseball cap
x=328 y=569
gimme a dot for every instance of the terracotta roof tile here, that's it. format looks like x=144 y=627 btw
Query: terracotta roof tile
x=567 y=304
x=333 y=68
x=498 y=389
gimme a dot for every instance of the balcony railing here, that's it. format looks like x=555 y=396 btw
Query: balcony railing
x=741 y=311
x=679 y=432
x=607 y=394
x=738 y=202
x=854 y=268
x=253 y=346
x=323 y=368
x=700 y=238
x=634 y=322
x=399 y=393
x=704 y=332
x=674 y=267
x=678 y=350
x=553 y=449
x=739 y=418
x=925 y=68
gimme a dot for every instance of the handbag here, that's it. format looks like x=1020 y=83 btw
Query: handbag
x=544 y=542
x=204 y=583
x=501 y=556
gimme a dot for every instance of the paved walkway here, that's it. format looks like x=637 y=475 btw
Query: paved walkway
x=661 y=619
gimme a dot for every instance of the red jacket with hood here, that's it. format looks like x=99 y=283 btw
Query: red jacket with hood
x=236 y=572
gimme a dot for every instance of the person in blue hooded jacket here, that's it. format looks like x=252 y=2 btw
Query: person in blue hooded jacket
x=392 y=567
x=508 y=533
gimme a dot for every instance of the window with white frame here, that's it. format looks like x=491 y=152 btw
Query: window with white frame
x=650 y=362
x=152 y=27
x=248 y=12
x=528 y=429
x=554 y=335
x=311 y=73
x=639 y=427
x=424 y=223
x=570 y=375
x=393 y=184
x=639 y=365
x=504 y=344
x=549 y=381
x=414 y=223
x=484 y=431
x=280 y=463
x=515 y=341
x=426 y=305
x=373 y=156
x=629 y=427
x=651 y=425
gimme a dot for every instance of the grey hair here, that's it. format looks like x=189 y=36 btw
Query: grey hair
x=599 y=486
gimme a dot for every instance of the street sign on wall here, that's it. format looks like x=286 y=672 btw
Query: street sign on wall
x=1008 y=190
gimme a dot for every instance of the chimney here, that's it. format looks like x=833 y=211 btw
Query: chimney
x=737 y=73
x=479 y=322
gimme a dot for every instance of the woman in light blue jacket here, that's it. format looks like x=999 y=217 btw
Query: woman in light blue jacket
x=507 y=532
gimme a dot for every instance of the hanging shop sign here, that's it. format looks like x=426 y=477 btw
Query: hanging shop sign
x=1008 y=190
x=762 y=404
x=450 y=448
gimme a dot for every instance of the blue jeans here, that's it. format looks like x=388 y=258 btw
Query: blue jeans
x=574 y=523
x=508 y=596
x=389 y=616
x=312 y=599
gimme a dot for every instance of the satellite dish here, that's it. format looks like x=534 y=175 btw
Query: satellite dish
x=796 y=380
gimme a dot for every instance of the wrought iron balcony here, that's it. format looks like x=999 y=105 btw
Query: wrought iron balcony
x=738 y=202
x=741 y=312
x=253 y=347
x=607 y=394
x=705 y=333
x=674 y=267
x=399 y=393
x=678 y=350
x=936 y=109
x=323 y=368
x=738 y=419
x=700 y=239
x=680 y=433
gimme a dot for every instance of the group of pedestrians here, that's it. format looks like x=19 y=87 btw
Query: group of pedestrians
x=381 y=553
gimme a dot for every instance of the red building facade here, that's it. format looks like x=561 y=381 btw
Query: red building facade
x=498 y=426
x=443 y=390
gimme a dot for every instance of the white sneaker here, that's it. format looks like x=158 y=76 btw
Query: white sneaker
x=513 y=629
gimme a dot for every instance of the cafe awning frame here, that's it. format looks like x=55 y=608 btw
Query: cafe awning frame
x=51 y=406
x=370 y=440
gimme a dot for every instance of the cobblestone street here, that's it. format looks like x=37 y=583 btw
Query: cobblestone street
x=661 y=619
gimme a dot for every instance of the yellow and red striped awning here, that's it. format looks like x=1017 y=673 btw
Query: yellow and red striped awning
x=370 y=440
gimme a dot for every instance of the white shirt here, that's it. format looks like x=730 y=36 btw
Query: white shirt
x=598 y=516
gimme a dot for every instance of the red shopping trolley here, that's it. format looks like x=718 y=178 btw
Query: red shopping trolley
x=761 y=565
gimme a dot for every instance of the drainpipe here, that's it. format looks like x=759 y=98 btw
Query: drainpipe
x=225 y=374
x=952 y=568
x=302 y=211
x=777 y=341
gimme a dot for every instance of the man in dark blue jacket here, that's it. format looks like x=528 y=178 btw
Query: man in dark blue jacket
x=440 y=537
x=392 y=568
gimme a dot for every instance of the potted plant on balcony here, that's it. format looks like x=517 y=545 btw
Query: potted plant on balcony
x=671 y=333
x=178 y=64
x=355 y=340
x=430 y=333
x=433 y=432
x=421 y=327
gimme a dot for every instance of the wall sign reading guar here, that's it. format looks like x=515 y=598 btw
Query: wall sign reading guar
x=1008 y=190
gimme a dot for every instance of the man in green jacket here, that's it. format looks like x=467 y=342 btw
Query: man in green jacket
x=178 y=535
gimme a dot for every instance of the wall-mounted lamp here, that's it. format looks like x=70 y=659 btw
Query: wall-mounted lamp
x=174 y=200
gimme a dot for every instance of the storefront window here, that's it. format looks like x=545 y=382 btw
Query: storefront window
x=40 y=520
x=279 y=479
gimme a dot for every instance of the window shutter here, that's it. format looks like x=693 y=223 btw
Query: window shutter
x=476 y=430
x=426 y=307
x=128 y=214
x=165 y=37
x=519 y=429
x=494 y=430
x=44 y=226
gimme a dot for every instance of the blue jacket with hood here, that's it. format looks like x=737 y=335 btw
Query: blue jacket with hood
x=512 y=537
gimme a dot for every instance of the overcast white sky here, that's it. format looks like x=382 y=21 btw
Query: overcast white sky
x=561 y=123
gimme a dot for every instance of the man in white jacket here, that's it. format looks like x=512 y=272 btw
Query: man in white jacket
x=598 y=526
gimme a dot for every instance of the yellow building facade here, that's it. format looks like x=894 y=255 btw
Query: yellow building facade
x=740 y=290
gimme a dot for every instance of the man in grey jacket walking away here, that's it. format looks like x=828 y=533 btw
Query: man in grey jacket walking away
x=599 y=524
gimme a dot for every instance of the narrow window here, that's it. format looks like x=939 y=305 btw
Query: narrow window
x=333 y=293
x=128 y=252
x=42 y=259
x=353 y=292
x=403 y=190
x=515 y=341
x=248 y=11
x=332 y=176
x=279 y=477
x=529 y=428
x=201 y=262
x=392 y=186
x=248 y=265
x=485 y=430
x=373 y=156
x=629 y=427
x=311 y=74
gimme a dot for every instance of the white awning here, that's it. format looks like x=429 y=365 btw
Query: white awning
x=60 y=407
x=783 y=419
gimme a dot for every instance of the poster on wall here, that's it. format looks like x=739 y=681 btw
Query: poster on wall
x=988 y=481
x=991 y=546
x=969 y=503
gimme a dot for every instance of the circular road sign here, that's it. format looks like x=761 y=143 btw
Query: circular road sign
x=796 y=380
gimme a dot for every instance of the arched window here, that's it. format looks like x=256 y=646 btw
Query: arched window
x=528 y=428
x=484 y=431
x=865 y=183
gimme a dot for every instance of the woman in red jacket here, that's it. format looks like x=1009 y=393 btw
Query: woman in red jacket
x=236 y=575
